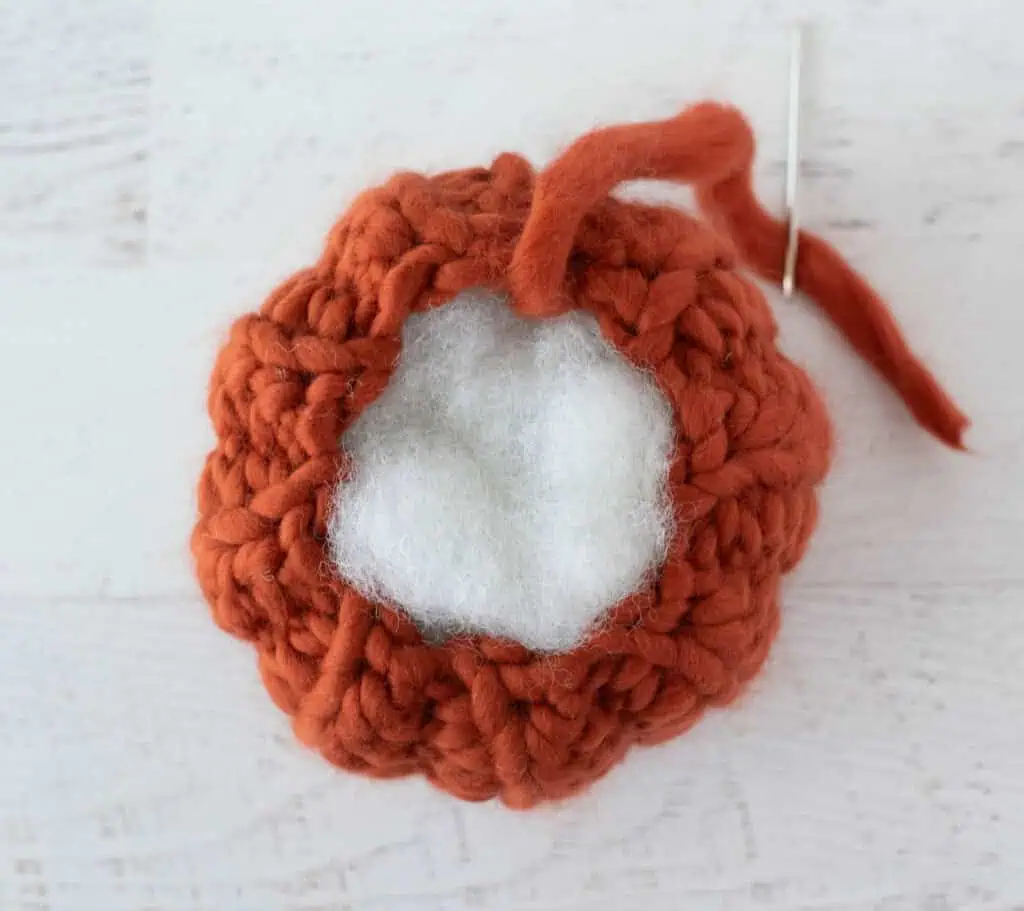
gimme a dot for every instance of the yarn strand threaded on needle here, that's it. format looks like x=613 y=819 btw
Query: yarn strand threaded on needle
x=712 y=147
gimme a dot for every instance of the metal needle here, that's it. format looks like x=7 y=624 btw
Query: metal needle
x=792 y=163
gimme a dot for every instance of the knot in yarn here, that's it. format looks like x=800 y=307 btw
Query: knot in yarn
x=481 y=716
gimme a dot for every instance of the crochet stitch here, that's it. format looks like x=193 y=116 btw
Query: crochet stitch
x=481 y=716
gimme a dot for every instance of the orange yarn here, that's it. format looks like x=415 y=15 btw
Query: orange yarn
x=482 y=717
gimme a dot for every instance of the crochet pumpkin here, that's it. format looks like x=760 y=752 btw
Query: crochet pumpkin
x=482 y=716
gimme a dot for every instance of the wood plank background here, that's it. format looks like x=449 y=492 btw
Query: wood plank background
x=162 y=164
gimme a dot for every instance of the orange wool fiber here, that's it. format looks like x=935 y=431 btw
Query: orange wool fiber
x=479 y=716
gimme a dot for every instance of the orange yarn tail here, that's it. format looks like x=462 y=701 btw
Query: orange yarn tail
x=712 y=147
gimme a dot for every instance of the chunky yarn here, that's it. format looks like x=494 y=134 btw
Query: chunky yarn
x=480 y=716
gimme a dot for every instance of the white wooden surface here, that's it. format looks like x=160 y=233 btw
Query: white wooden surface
x=162 y=165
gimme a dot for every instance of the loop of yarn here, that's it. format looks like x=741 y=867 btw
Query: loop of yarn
x=483 y=717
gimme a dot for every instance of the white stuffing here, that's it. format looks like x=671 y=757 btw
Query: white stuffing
x=510 y=480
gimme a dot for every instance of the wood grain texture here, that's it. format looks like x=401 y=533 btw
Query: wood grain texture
x=74 y=131
x=163 y=164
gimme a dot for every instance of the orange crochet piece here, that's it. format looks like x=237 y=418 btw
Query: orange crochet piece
x=483 y=717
